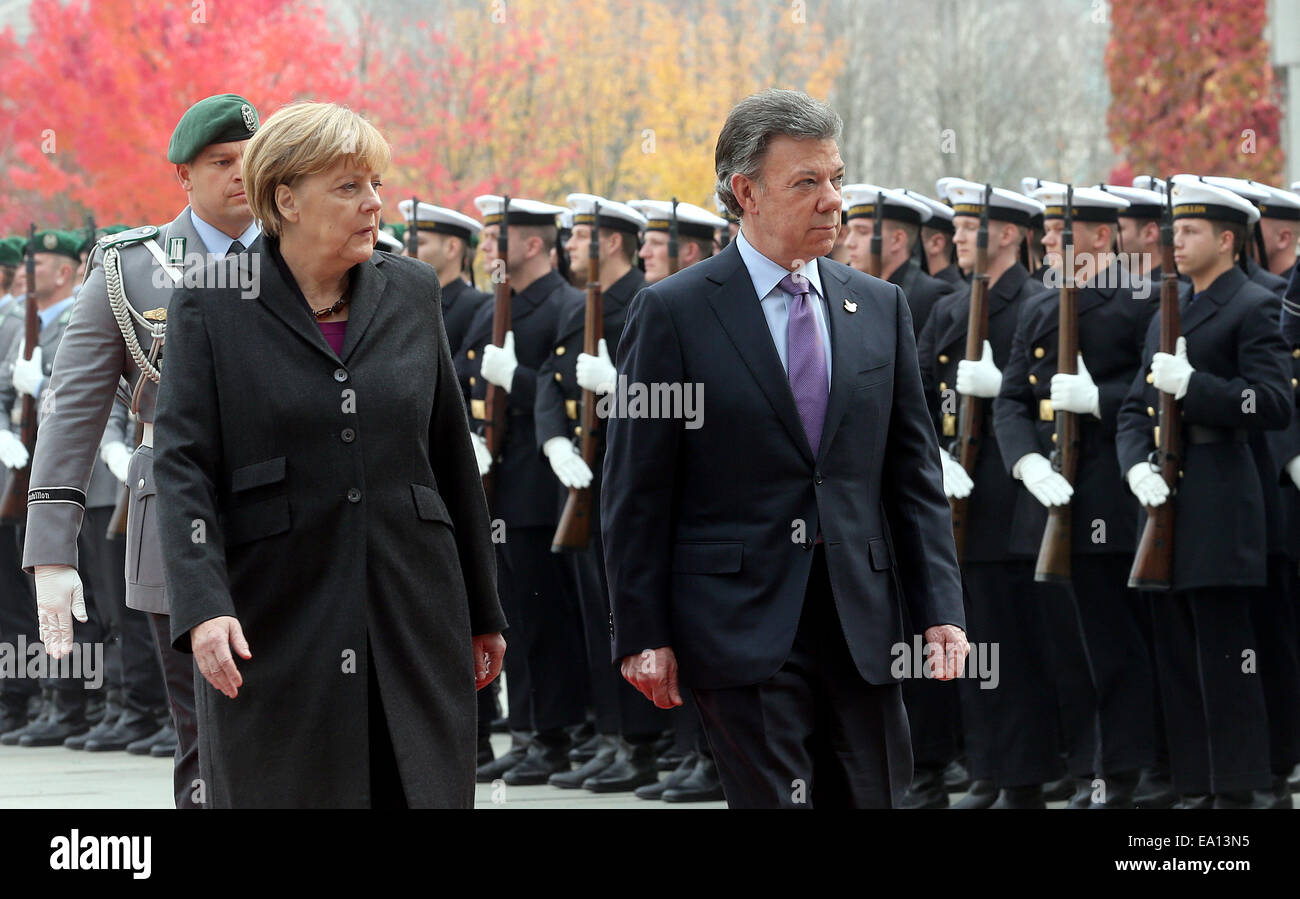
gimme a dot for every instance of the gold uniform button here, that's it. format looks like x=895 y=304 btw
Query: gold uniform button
x=942 y=386
x=1033 y=379
x=470 y=354
x=559 y=351
x=1053 y=436
x=1039 y=352
x=1295 y=383
x=1151 y=379
x=472 y=380
x=943 y=360
x=578 y=430
x=1295 y=353
x=558 y=377
x=1151 y=411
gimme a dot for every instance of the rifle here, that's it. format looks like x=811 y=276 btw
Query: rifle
x=876 y=261
x=413 y=230
x=1153 y=565
x=673 y=264
x=574 y=530
x=117 y=524
x=13 y=508
x=495 y=397
x=1053 y=565
x=972 y=407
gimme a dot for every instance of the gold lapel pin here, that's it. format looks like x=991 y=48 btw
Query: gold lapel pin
x=850 y=307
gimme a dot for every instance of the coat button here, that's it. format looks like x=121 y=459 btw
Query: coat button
x=817 y=478
x=578 y=430
x=1150 y=411
x=472 y=380
x=558 y=376
x=1039 y=352
x=348 y=435
x=469 y=355
x=354 y=495
x=1295 y=353
x=340 y=375
x=1033 y=379
x=140 y=484
x=559 y=351
x=942 y=386
x=1151 y=379
x=943 y=359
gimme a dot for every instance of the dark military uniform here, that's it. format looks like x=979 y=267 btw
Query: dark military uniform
x=1103 y=512
x=460 y=303
x=921 y=291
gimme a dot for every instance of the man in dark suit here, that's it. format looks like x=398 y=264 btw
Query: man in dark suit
x=769 y=549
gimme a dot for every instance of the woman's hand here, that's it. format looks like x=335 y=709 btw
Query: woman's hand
x=489 y=650
x=211 y=642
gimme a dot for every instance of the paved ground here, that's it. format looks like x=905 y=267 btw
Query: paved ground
x=61 y=778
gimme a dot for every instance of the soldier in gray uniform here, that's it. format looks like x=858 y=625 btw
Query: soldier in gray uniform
x=117 y=331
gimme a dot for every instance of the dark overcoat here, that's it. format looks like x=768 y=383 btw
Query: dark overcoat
x=332 y=504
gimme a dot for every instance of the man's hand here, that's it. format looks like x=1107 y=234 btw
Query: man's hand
x=59 y=599
x=948 y=642
x=1076 y=393
x=29 y=374
x=481 y=454
x=567 y=464
x=489 y=650
x=957 y=484
x=981 y=378
x=117 y=457
x=596 y=373
x=12 y=452
x=499 y=362
x=654 y=673
x=211 y=642
x=1172 y=373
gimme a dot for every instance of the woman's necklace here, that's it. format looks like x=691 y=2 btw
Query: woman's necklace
x=330 y=310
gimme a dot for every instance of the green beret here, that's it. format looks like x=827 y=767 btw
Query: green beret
x=398 y=230
x=62 y=243
x=11 y=251
x=214 y=120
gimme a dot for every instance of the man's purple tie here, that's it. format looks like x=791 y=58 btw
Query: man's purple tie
x=807 y=358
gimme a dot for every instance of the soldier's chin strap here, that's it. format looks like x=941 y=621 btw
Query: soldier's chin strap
x=127 y=317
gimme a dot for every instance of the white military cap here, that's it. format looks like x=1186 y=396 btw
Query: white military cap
x=692 y=221
x=387 y=242
x=940 y=213
x=1281 y=204
x=614 y=215
x=1197 y=198
x=1087 y=203
x=566 y=220
x=967 y=198
x=860 y=202
x=522 y=212
x=1029 y=184
x=941 y=188
x=1253 y=191
x=1142 y=203
x=440 y=220
x=1150 y=182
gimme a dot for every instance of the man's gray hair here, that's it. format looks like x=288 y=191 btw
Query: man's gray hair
x=754 y=121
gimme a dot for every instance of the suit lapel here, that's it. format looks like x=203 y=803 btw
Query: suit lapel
x=367 y=288
x=741 y=315
x=846 y=352
x=281 y=298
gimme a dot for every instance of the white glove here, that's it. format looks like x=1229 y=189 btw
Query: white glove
x=1147 y=484
x=1042 y=481
x=1171 y=373
x=481 y=453
x=980 y=378
x=59 y=599
x=29 y=374
x=1076 y=393
x=499 y=362
x=1293 y=470
x=956 y=482
x=116 y=456
x=566 y=463
x=12 y=452
x=596 y=373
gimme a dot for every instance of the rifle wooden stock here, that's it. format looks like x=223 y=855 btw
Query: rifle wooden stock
x=1053 y=565
x=971 y=430
x=574 y=530
x=1153 y=565
x=13 y=508
x=495 y=397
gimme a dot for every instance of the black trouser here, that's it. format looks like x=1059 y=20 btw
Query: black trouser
x=814 y=733
x=1011 y=728
x=1147 y=621
x=545 y=628
x=179 y=674
x=1110 y=618
x=1214 y=710
x=17 y=609
x=136 y=675
x=519 y=706
x=1075 y=697
x=1272 y=611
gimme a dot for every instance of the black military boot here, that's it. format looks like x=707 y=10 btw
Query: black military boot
x=1119 y=787
x=111 y=712
x=956 y=779
x=1082 y=797
x=1294 y=780
x=46 y=709
x=164 y=747
x=633 y=766
x=982 y=794
x=926 y=790
x=547 y=754
x=67 y=718
x=1058 y=790
x=1278 y=795
x=141 y=747
x=1020 y=797
x=671 y=759
x=702 y=785
x=13 y=711
x=1154 y=789
x=585 y=751
x=132 y=725
x=674 y=778
x=1240 y=799
x=490 y=771
x=1195 y=800
x=602 y=757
